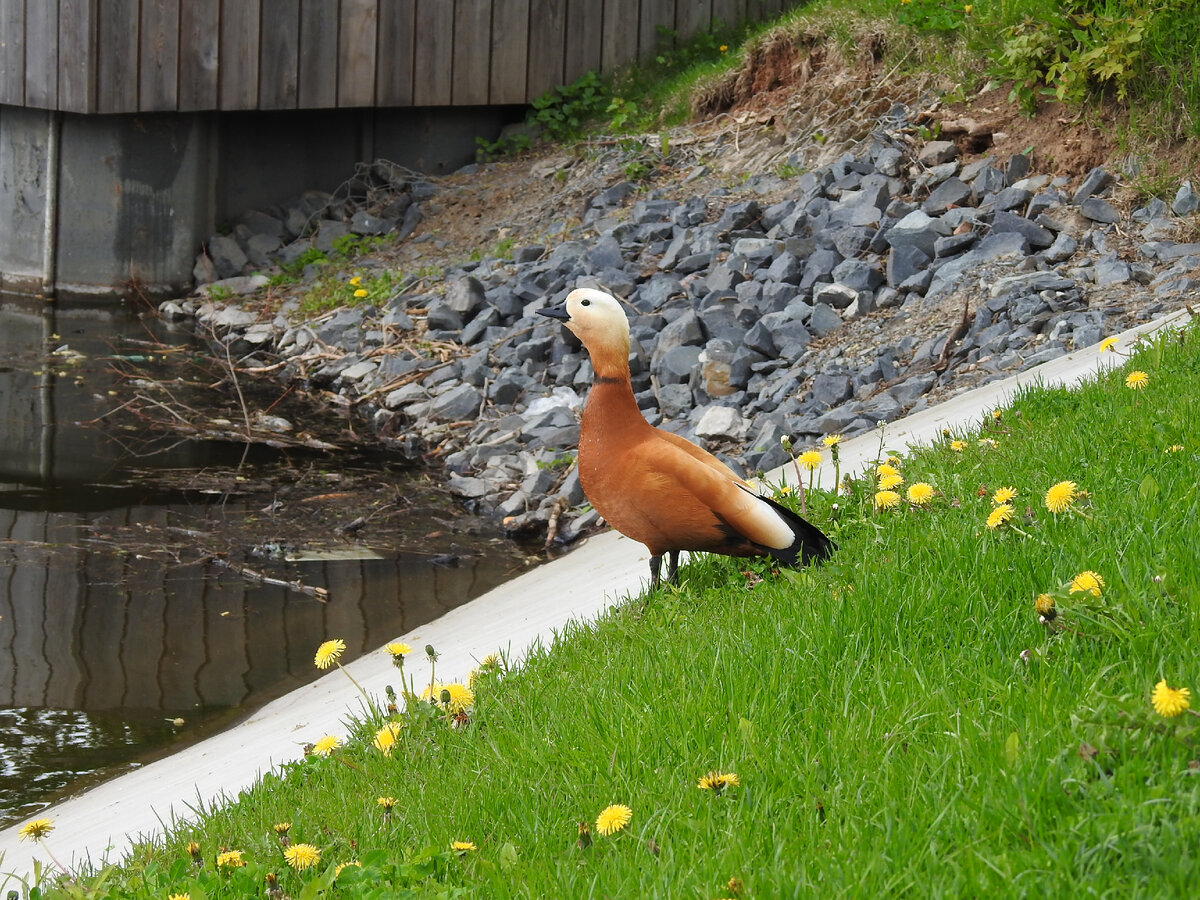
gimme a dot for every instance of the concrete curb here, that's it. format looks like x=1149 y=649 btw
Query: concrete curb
x=103 y=823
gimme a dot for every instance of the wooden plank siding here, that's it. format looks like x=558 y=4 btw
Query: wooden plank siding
x=279 y=49
x=128 y=56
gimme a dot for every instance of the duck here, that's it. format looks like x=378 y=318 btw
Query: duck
x=659 y=488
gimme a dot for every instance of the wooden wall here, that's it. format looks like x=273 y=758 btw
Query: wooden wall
x=123 y=56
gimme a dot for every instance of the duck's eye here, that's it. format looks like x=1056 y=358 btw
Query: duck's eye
x=585 y=302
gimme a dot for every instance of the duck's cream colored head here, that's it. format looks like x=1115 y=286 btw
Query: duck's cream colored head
x=597 y=319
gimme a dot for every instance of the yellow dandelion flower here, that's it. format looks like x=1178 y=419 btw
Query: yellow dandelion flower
x=387 y=802
x=1060 y=497
x=999 y=515
x=831 y=440
x=1087 y=583
x=810 y=459
x=346 y=865
x=1174 y=448
x=326 y=745
x=362 y=292
x=724 y=47
x=958 y=446
x=455 y=696
x=997 y=414
x=356 y=281
x=886 y=468
x=179 y=897
x=890 y=482
x=302 y=856
x=281 y=827
x=1044 y=606
x=886 y=499
x=386 y=737
x=1003 y=495
x=718 y=781
x=1168 y=701
x=397 y=650
x=1107 y=344
x=461 y=847
x=328 y=653
x=193 y=850
x=613 y=818
x=920 y=493
x=1136 y=380
x=36 y=830
x=784 y=491
x=967 y=8
x=230 y=859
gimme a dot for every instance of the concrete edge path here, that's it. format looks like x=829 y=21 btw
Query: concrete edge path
x=103 y=823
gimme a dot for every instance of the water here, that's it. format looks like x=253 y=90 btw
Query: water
x=130 y=619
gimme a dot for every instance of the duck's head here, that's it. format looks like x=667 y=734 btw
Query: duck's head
x=597 y=319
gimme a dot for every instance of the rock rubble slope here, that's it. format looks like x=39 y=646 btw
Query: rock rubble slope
x=798 y=304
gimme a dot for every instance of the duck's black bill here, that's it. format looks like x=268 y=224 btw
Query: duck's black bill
x=555 y=312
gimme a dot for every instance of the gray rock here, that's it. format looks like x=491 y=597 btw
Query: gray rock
x=823 y=319
x=908 y=391
x=1093 y=183
x=829 y=391
x=786 y=269
x=937 y=152
x=1186 y=201
x=1037 y=236
x=365 y=223
x=227 y=257
x=903 y=262
x=856 y=274
x=721 y=423
x=1099 y=211
x=440 y=316
x=412 y=218
x=917 y=229
x=1110 y=270
x=951 y=192
x=1061 y=250
x=838 y=296
x=953 y=244
x=328 y=232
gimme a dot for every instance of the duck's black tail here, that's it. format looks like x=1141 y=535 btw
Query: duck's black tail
x=811 y=544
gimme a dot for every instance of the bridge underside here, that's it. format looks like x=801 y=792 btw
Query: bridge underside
x=96 y=205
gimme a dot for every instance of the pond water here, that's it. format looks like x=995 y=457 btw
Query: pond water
x=156 y=586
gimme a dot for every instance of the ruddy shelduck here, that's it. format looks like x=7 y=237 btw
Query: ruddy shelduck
x=659 y=488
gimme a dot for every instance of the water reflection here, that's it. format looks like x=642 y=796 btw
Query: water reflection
x=107 y=630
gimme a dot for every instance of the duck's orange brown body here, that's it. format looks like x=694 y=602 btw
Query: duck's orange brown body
x=656 y=487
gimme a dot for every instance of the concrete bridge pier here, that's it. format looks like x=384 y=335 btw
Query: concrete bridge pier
x=103 y=204
x=119 y=205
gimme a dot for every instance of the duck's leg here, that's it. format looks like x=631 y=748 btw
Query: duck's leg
x=673 y=567
x=655 y=568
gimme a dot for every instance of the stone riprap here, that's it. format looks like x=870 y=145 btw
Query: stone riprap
x=826 y=309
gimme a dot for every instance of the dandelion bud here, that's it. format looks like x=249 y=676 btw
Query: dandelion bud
x=786 y=443
x=430 y=652
x=445 y=697
x=193 y=850
x=585 y=836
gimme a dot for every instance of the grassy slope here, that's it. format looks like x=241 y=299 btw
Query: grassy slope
x=888 y=735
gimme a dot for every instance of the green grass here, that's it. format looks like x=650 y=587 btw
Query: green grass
x=900 y=720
